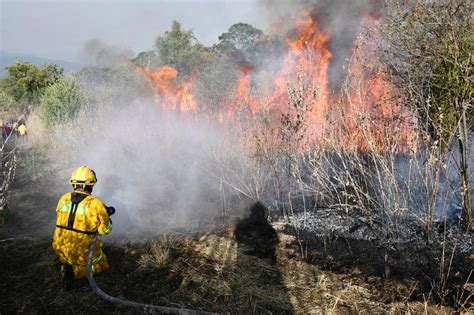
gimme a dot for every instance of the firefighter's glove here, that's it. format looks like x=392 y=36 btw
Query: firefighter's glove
x=110 y=210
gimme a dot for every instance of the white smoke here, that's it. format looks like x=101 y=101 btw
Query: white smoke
x=154 y=167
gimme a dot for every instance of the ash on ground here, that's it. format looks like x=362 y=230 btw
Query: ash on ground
x=399 y=247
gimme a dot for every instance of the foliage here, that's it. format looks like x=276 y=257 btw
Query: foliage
x=245 y=45
x=61 y=101
x=241 y=36
x=6 y=101
x=149 y=59
x=217 y=80
x=26 y=82
x=93 y=76
x=179 y=49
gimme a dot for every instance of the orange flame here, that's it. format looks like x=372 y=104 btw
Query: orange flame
x=374 y=118
x=170 y=93
x=310 y=53
x=242 y=94
x=307 y=53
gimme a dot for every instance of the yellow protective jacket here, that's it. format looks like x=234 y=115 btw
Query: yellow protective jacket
x=21 y=130
x=79 y=216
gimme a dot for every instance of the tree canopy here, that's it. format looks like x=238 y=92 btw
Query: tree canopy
x=246 y=45
x=430 y=60
x=179 y=49
x=149 y=59
x=26 y=82
x=241 y=36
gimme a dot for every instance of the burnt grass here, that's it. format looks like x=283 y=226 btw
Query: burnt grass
x=325 y=261
x=340 y=243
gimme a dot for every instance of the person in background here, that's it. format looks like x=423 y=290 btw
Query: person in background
x=7 y=127
x=80 y=216
x=22 y=132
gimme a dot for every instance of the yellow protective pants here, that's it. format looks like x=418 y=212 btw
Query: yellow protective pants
x=72 y=248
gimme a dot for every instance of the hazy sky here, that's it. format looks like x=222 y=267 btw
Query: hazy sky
x=59 y=29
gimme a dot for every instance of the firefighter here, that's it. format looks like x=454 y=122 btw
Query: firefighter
x=21 y=133
x=21 y=130
x=79 y=217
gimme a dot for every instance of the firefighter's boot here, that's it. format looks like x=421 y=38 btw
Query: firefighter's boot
x=67 y=275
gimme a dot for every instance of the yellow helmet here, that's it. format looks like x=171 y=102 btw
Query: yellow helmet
x=83 y=176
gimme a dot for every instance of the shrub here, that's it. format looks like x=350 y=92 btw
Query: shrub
x=61 y=101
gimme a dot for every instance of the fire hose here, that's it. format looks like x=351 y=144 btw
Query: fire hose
x=117 y=301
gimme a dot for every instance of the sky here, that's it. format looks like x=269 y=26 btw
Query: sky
x=59 y=29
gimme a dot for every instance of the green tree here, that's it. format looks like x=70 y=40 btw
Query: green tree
x=179 y=49
x=61 y=101
x=246 y=45
x=241 y=36
x=25 y=82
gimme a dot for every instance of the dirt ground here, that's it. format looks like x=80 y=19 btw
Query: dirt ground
x=248 y=268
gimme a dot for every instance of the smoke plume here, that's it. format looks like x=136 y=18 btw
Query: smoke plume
x=100 y=54
x=340 y=18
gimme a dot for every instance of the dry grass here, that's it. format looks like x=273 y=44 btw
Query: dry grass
x=215 y=273
x=158 y=255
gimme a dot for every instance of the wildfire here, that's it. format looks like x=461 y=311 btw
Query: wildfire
x=242 y=94
x=307 y=53
x=177 y=96
x=310 y=53
x=373 y=119
x=307 y=56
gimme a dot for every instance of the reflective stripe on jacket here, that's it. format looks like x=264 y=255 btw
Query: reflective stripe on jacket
x=89 y=215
